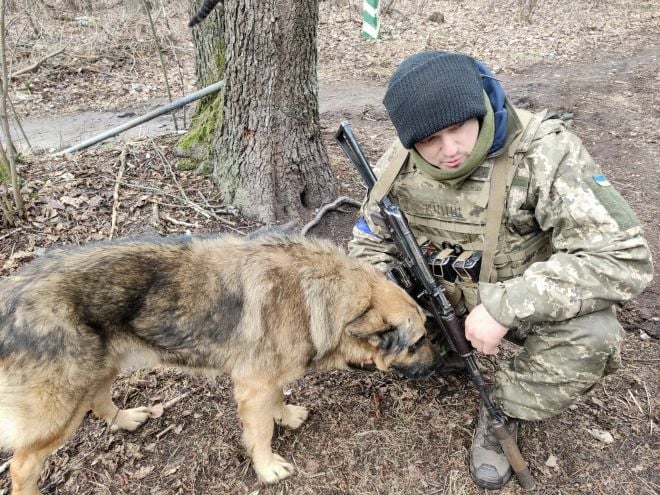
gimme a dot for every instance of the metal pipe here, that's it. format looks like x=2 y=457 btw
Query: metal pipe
x=149 y=116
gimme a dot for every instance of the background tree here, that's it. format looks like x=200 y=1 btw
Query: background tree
x=266 y=151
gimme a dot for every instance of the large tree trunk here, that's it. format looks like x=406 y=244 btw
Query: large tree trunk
x=269 y=160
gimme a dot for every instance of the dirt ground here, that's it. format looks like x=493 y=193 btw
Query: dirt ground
x=368 y=433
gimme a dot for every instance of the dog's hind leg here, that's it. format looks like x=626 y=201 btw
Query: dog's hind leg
x=27 y=462
x=288 y=415
x=125 y=419
x=256 y=402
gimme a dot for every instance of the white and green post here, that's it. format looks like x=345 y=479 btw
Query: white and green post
x=371 y=19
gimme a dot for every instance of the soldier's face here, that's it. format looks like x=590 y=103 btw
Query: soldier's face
x=448 y=148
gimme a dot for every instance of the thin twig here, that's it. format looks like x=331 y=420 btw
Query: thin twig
x=180 y=222
x=115 y=194
x=176 y=59
x=192 y=204
x=326 y=208
x=161 y=433
x=163 y=67
x=171 y=402
x=18 y=123
x=648 y=401
x=636 y=402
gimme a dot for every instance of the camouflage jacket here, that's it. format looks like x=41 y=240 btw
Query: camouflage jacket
x=569 y=244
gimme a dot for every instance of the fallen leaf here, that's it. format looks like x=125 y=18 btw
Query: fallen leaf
x=601 y=435
x=143 y=472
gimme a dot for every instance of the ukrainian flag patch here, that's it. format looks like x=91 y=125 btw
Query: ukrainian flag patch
x=601 y=180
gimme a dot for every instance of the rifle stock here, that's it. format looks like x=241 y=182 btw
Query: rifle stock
x=432 y=295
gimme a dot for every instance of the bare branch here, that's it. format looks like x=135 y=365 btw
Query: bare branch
x=326 y=208
x=35 y=65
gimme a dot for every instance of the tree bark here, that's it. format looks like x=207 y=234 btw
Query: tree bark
x=268 y=156
x=209 y=45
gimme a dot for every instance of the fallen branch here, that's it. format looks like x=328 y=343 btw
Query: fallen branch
x=185 y=201
x=9 y=234
x=35 y=65
x=326 y=208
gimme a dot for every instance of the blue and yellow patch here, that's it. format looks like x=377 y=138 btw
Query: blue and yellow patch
x=601 y=180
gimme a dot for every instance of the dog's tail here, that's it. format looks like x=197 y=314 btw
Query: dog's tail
x=203 y=12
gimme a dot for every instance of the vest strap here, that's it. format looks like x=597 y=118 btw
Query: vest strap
x=496 y=201
x=498 y=185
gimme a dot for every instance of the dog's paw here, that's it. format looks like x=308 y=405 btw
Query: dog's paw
x=293 y=416
x=274 y=470
x=131 y=419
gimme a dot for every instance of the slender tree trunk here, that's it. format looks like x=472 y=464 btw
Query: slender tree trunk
x=269 y=160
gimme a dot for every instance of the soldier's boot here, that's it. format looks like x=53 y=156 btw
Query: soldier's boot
x=489 y=467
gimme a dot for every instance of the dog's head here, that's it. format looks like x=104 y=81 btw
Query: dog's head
x=390 y=331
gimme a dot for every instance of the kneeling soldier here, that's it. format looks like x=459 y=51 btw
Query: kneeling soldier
x=530 y=240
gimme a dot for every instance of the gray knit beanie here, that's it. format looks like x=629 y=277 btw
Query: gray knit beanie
x=430 y=91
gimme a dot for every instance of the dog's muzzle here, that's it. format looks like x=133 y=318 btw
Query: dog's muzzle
x=414 y=372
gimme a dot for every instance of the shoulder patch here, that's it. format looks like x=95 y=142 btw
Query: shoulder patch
x=363 y=227
x=613 y=202
x=601 y=180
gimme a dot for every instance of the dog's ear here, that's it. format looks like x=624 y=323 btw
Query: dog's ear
x=369 y=323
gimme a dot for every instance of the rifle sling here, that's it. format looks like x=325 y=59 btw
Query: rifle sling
x=385 y=181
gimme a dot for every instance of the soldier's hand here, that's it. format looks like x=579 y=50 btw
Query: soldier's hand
x=483 y=331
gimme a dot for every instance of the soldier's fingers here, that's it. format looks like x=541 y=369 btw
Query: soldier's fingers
x=477 y=344
x=490 y=349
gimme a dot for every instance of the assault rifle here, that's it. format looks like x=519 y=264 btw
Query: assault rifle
x=432 y=297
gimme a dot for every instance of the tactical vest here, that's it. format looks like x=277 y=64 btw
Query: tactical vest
x=438 y=212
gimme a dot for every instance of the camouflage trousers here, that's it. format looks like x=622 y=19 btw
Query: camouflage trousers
x=559 y=362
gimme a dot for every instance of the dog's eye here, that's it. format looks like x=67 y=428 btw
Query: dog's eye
x=415 y=347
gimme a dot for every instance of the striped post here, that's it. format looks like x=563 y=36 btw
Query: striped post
x=371 y=19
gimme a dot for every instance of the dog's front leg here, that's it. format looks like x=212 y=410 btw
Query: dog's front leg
x=288 y=415
x=256 y=402
x=124 y=419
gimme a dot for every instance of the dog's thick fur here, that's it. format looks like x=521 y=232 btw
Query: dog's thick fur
x=262 y=310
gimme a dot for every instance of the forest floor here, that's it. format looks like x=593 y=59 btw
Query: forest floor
x=368 y=433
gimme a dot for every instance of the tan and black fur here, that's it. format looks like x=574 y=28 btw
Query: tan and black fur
x=262 y=310
x=204 y=10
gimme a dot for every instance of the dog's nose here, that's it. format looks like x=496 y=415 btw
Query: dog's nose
x=415 y=372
